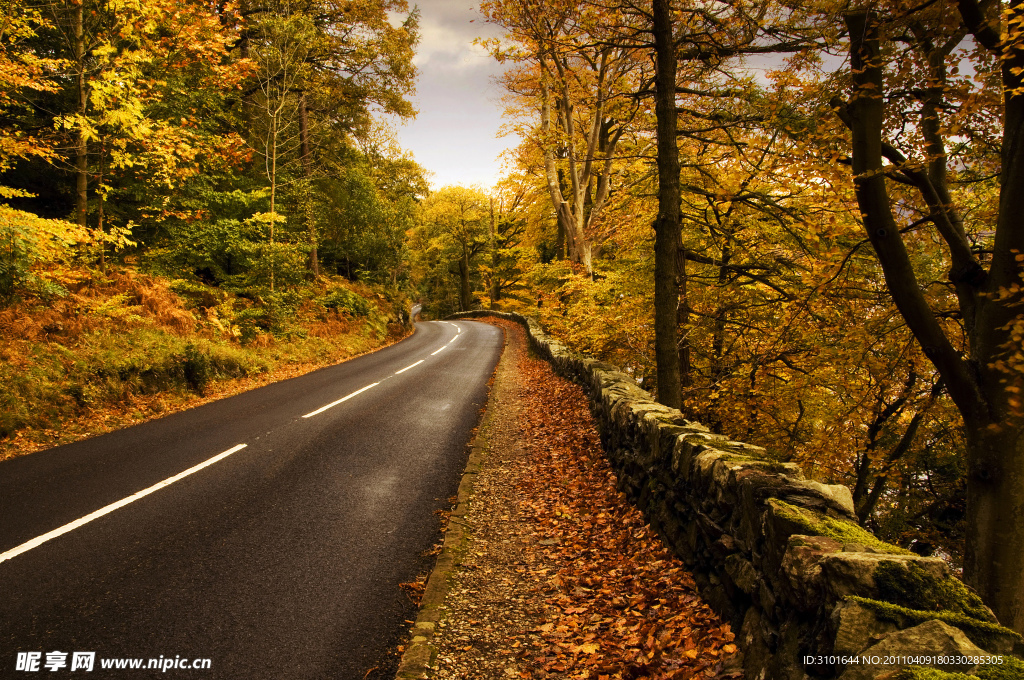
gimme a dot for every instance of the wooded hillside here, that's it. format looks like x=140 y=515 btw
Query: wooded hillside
x=194 y=192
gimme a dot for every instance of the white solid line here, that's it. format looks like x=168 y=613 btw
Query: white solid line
x=412 y=366
x=39 y=540
x=436 y=351
x=335 y=403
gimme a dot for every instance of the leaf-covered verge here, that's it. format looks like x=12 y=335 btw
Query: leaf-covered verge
x=595 y=594
x=112 y=349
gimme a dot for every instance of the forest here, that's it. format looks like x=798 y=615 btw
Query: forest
x=192 y=193
x=799 y=223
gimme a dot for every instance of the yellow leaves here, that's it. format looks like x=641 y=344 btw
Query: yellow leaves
x=43 y=239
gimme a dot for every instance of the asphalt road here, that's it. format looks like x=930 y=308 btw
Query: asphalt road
x=279 y=560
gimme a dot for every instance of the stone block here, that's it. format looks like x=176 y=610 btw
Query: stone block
x=857 y=628
x=743 y=573
x=756 y=641
x=932 y=640
x=800 y=574
x=824 y=498
x=686 y=447
x=853 y=573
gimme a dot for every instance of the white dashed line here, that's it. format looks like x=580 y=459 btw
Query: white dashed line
x=335 y=403
x=410 y=366
x=39 y=540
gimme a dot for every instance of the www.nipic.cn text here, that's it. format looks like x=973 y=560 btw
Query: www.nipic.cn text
x=30 y=662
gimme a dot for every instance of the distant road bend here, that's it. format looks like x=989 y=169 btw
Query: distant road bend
x=266 y=532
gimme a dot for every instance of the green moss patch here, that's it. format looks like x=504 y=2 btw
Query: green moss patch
x=910 y=585
x=817 y=524
x=1012 y=668
x=981 y=633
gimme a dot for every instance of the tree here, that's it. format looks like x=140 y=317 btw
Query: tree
x=507 y=259
x=25 y=238
x=452 y=232
x=363 y=213
x=124 y=110
x=666 y=228
x=578 y=86
x=325 y=67
x=985 y=384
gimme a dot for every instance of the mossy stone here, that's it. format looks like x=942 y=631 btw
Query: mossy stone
x=911 y=586
x=985 y=634
x=817 y=524
x=1012 y=668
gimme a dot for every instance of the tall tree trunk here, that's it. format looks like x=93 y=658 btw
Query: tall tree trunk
x=560 y=249
x=994 y=554
x=273 y=196
x=81 y=144
x=307 y=172
x=555 y=177
x=465 y=300
x=495 y=288
x=103 y=199
x=666 y=228
x=683 y=321
x=995 y=482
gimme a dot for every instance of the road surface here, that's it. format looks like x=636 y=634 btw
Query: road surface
x=263 y=535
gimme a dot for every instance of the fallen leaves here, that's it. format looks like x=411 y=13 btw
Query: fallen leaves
x=617 y=587
x=577 y=585
x=414 y=589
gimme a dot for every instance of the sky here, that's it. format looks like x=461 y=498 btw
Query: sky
x=455 y=134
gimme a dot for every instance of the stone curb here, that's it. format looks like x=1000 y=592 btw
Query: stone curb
x=418 y=660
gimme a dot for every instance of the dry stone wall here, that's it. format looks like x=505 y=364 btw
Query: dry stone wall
x=779 y=556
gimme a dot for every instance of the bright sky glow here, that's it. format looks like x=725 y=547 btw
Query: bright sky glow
x=455 y=134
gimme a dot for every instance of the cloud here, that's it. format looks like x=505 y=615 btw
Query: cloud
x=446 y=38
x=455 y=134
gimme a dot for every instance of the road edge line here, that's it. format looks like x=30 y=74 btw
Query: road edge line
x=420 y=655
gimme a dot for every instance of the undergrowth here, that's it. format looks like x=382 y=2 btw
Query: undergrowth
x=118 y=347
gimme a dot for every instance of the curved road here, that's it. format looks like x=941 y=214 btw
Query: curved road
x=279 y=559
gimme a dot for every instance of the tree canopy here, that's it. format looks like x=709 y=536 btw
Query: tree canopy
x=801 y=225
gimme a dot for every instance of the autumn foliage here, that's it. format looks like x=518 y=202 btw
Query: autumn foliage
x=842 y=283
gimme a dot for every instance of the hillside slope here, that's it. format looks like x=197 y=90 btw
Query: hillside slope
x=115 y=348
